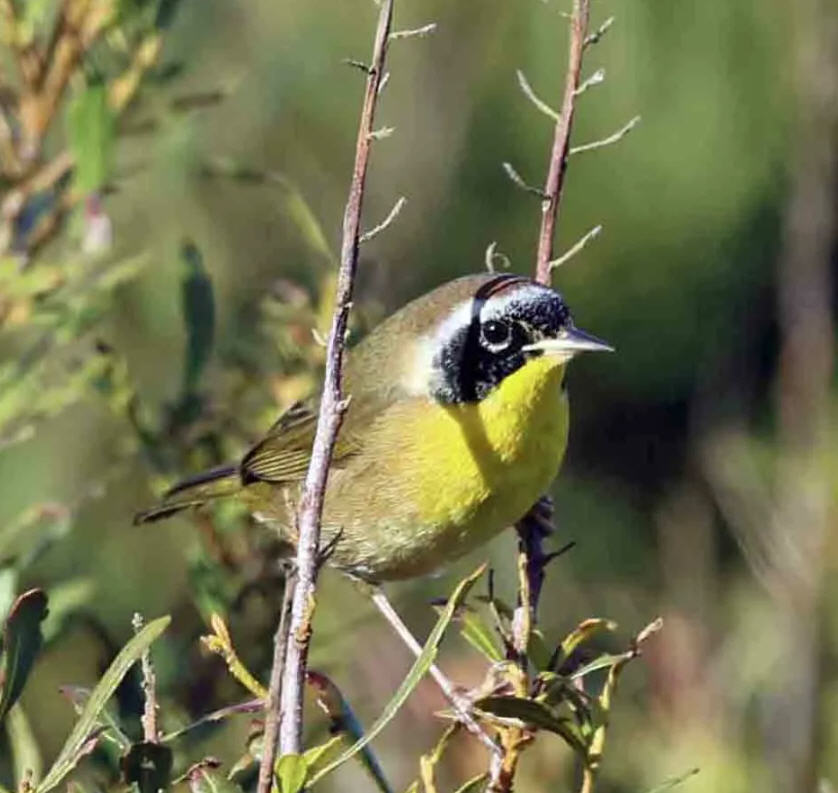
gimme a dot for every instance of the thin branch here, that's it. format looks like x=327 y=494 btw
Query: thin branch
x=425 y=30
x=149 y=717
x=355 y=64
x=537 y=523
x=393 y=214
x=597 y=78
x=330 y=418
x=561 y=140
x=271 y=703
x=576 y=247
x=462 y=708
x=518 y=180
x=594 y=37
x=534 y=98
x=614 y=138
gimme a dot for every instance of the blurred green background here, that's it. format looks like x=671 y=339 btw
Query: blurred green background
x=700 y=482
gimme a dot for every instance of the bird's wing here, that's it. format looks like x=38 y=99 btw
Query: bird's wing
x=283 y=454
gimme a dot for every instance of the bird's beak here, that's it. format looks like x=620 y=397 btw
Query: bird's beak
x=568 y=343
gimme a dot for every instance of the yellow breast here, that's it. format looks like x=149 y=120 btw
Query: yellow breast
x=440 y=480
x=500 y=454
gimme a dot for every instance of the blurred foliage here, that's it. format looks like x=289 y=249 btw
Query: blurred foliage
x=168 y=221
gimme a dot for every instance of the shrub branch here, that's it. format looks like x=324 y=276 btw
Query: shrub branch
x=332 y=409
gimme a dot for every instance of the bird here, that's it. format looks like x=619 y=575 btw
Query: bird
x=457 y=423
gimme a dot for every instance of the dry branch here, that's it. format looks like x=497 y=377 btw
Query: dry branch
x=332 y=408
x=536 y=525
x=561 y=140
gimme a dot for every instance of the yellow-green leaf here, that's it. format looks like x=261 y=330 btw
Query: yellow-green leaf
x=75 y=744
x=90 y=129
x=291 y=770
x=420 y=667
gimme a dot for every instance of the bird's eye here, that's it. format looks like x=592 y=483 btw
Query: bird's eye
x=496 y=334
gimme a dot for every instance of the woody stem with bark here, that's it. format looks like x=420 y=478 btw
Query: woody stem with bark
x=561 y=141
x=288 y=707
x=533 y=527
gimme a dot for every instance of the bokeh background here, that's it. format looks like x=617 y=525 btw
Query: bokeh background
x=701 y=481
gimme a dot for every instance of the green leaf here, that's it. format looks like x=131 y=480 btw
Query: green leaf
x=148 y=765
x=90 y=130
x=674 y=781
x=473 y=785
x=320 y=753
x=26 y=755
x=533 y=714
x=537 y=650
x=21 y=642
x=604 y=661
x=478 y=634
x=581 y=633
x=291 y=770
x=79 y=697
x=198 y=306
x=420 y=667
x=74 y=746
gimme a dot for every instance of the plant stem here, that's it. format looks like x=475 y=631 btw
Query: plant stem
x=533 y=527
x=561 y=141
x=271 y=703
x=330 y=418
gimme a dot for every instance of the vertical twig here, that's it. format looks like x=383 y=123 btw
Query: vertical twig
x=536 y=524
x=149 y=717
x=332 y=409
x=561 y=141
x=271 y=704
x=534 y=527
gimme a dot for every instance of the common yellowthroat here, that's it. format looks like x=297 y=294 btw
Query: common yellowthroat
x=457 y=424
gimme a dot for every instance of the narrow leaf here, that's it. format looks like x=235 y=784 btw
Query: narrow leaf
x=79 y=735
x=478 y=634
x=582 y=633
x=90 y=130
x=604 y=661
x=198 y=307
x=21 y=642
x=79 y=697
x=420 y=666
x=320 y=753
x=533 y=714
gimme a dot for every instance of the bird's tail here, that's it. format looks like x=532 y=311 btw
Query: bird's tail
x=194 y=491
